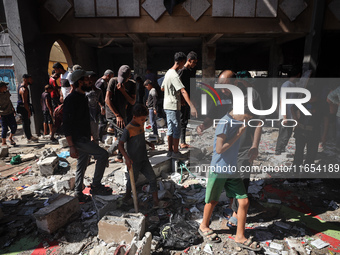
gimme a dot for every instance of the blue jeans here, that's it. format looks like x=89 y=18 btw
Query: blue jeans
x=173 y=119
x=152 y=119
x=8 y=121
x=85 y=148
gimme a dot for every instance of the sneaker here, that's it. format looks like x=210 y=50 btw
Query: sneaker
x=177 y=155
x=169 y=154
x=100 y=190
x=29 y=141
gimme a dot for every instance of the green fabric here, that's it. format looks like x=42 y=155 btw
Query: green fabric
x=16 y=160
x=234 y=187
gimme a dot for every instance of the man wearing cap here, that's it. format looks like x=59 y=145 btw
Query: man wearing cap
x=121 y=91
x=101 y=84
x=78 y=134
x=24 y=106
x=7 y=118
x=65 y=84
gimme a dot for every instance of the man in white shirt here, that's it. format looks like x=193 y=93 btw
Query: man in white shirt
x=173 y=88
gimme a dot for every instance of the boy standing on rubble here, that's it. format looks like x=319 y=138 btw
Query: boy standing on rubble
x=224 y=160
x=136 y=154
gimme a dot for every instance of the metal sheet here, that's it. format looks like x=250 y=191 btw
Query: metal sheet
x=293 y=8
x=106 y=8
x=84 y=8
x=266 y=8
x=155 y=8
x=334 y=6
x=196 y=8
x=244 y=8
x=129 y=8
x=58 y=8
x=222 y=8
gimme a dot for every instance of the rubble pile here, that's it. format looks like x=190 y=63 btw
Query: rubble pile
x=38 y=208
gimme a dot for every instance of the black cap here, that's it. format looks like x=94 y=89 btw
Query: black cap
x=2 y=83
x=26 y=76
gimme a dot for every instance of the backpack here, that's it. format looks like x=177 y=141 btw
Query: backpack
x=180 y=233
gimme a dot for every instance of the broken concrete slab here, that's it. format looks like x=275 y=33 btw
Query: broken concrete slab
x=104 y=204
x=48 y=165
x=73 y=248
x=57 y=214
x=3 y=151
x=125 y=228
x=27 y=157
x=142 y=247
x=63 y=142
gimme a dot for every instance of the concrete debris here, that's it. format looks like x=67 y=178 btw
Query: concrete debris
x=63 y=142
x=83 y=234
x=3 y=151
x=104 y=204
x=124 y=228
x=318 y=243
x=57 y=213
x=73 y=248
x=48 y=165
x=142 y=247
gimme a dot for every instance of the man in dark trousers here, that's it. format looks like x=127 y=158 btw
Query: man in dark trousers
x=78 y=134
x=185 y=74
x=25 y=108
x=121 y=92
x=101 y=84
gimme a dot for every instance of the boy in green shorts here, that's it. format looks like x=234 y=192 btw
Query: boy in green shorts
x=223 y=175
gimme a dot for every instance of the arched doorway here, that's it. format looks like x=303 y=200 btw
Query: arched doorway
x=59 y=53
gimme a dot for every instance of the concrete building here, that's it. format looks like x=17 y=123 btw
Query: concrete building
x=258 y=35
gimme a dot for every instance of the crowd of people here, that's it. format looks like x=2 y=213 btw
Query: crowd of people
x=88 y=107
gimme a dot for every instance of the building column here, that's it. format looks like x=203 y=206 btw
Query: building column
x=30 y=50
x=140 y=59
x=208 y=59
x=275 y=55
x=313 y=39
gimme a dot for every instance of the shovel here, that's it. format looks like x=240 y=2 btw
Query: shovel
x=134 y=191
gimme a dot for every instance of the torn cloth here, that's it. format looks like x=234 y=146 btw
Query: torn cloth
x=170 y=4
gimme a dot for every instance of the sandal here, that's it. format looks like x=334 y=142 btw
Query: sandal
x=210 y=235
x=12 y=142
x=232 y=222
x=100 y=190
x=184 y=146
x=249 y=244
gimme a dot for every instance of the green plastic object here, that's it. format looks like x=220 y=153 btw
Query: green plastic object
x=16 y=160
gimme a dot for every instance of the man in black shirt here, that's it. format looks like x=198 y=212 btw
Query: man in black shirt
x=185 y=74
x=120 y=93
x=78 y=134
x=101 y=83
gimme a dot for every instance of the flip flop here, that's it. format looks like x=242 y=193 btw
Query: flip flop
x=12 y=142
x=227 y=213
x=210 y=235
x=232 y=222
x=249 y=244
